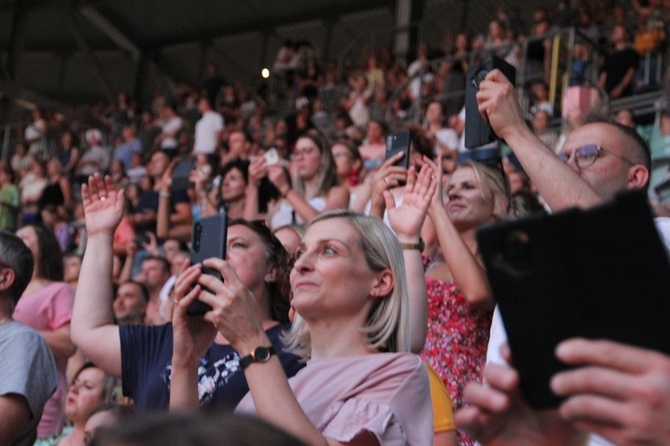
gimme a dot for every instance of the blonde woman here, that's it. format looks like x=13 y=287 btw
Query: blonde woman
x=360 y=385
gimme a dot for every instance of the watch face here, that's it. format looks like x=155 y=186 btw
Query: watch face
x=261 y=354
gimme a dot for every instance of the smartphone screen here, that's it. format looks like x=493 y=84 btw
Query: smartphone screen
x=399 y=142
x=208 y=239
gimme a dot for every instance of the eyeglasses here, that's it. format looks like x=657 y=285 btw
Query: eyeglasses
x=341 y=155
x=303 y=152
x=586 y=155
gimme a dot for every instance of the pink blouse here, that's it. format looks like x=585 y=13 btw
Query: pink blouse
x=48 y=309
x=385 y=394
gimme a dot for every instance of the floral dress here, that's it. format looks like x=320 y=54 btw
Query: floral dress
x=457 y=339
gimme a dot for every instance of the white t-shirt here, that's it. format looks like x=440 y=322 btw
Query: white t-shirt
x=206 y=130
x=445 y=138
x=174 y=124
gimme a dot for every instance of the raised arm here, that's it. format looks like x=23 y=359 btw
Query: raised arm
x=59 y=341
x=556 y=182
x=467 y=272
x=192 y=338
x=93 y=329
x=257 y=170
x=406 y=221
x=386 y=177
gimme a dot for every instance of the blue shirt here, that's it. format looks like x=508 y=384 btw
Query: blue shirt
x=125 y=151
x=146 y=366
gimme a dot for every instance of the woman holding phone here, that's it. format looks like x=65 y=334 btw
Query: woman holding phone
x=142 y=355
x=360 y=385
x=315 y=187
x=459 y=299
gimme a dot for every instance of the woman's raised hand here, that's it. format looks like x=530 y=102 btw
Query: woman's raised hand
x=165 y=181
x=388 y=175
x=103 y=205
x=406 y=220
x=278 y=177
x=437 y=200
x=257 y=170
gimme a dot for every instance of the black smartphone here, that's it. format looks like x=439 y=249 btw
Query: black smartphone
x=399 y=142
x=180 y=175
x=208 y=239
x=602 y=273
x=478 y=132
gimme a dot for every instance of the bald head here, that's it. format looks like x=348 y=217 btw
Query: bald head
x=623 y=163
x=633 y=146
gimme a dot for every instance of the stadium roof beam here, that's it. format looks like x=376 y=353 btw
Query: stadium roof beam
x=16 y=40
x=116 y=35
x=98 y=69
x=333 y=9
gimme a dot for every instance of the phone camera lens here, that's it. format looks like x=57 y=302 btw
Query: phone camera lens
x=479 y=77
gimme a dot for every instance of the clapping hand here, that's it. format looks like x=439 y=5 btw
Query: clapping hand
x=407 y=219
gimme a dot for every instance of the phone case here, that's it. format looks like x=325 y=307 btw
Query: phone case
x=598 y=274
x=399 y=142
x=208 y=239
x=478 y=132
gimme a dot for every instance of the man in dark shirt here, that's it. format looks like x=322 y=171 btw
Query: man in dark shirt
x=147 y=208
x=619 y=69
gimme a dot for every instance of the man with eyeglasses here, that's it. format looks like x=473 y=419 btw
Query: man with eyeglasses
x=28 y=372
x=619 y=392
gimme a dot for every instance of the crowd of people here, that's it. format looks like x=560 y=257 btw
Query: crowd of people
x=352 y=306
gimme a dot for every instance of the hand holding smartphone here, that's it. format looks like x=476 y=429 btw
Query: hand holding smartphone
x=208 y=239
x=399 y=142
x=600 y=273
x=271 y=157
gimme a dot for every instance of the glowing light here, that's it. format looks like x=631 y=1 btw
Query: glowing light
x=265 y=73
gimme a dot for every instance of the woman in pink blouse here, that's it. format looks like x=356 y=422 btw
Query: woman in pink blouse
x=360 y=384
x=46 y=306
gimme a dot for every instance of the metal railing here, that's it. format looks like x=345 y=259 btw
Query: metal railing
x=558 y=76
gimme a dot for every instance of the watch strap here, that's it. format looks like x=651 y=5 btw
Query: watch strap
x=418 y=246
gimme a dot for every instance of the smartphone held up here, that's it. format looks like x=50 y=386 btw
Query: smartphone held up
x=399 y=142
x=208 y=239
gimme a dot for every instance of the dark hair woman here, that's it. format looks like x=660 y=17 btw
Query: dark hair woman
x=46 y=306
x=259 y=260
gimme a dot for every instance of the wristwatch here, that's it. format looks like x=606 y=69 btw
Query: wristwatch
x=418 y=246
x=260 y=354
